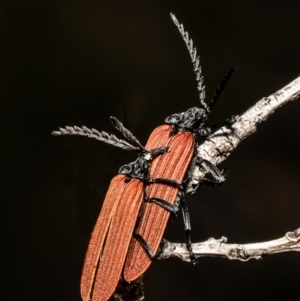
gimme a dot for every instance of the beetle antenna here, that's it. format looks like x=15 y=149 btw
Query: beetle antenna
x=221 y=88
x=126 y=133
x=92 y=133
x=195 y=61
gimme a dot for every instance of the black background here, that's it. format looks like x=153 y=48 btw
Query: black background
x=69 y=62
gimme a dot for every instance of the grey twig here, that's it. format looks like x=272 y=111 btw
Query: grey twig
x=221 y=144
x=220 y=248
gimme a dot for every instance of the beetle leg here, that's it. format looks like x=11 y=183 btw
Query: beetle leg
x=214 y=171
x=191 y=168
x=227 y=122
x=144 y=244
x=159 y=151
x=176 y=204
x=171 y=182
x=164 y=204
x=187 y=227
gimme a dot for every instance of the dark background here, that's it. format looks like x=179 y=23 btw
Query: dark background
x=69 y=62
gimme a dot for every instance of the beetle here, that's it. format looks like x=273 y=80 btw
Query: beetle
x=141 y=198
x=121 y=206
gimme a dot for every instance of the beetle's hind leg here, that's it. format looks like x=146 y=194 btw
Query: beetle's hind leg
x=187 y=226
x=165 y=205
x=172 y=208
x=144 y=244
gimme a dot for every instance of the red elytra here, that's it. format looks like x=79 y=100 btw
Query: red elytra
x=112 y=245
x=172 y=165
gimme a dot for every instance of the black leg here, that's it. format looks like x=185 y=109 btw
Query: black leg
x=218 y=177
x=164 y=204
x=171 y=182
x=144 y=244
x=159 y=151
x=187 y=228
x=190 y=171
x=139 y=238
x=228 y=122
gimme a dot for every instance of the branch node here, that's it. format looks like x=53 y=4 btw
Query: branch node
x=238 y=253
x=294 y=235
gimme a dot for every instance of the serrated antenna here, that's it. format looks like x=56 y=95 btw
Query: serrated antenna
x=92 y=133
x=126 y=133
x=195 y=60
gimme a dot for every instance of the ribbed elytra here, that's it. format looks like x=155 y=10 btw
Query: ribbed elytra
x=154 y=218
x=96 y=244
x=109 y=243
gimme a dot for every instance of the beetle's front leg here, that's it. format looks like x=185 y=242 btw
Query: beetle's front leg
x=218 y=176
x=228 y=122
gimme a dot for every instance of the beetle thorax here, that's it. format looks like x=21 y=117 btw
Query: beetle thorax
x=139 y=168
x=192 y=120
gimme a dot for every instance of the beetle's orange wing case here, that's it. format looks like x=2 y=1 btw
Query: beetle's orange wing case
x=99 y=233
x=172 y=165
x=117 y=242
x=113 y=230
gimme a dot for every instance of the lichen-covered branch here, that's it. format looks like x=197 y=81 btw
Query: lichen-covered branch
x=220 y=248
x=220 y=145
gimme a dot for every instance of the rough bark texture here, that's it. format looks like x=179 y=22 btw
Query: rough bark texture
x=220 y=248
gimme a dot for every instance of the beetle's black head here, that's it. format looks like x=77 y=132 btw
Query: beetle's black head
x=193 y=120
